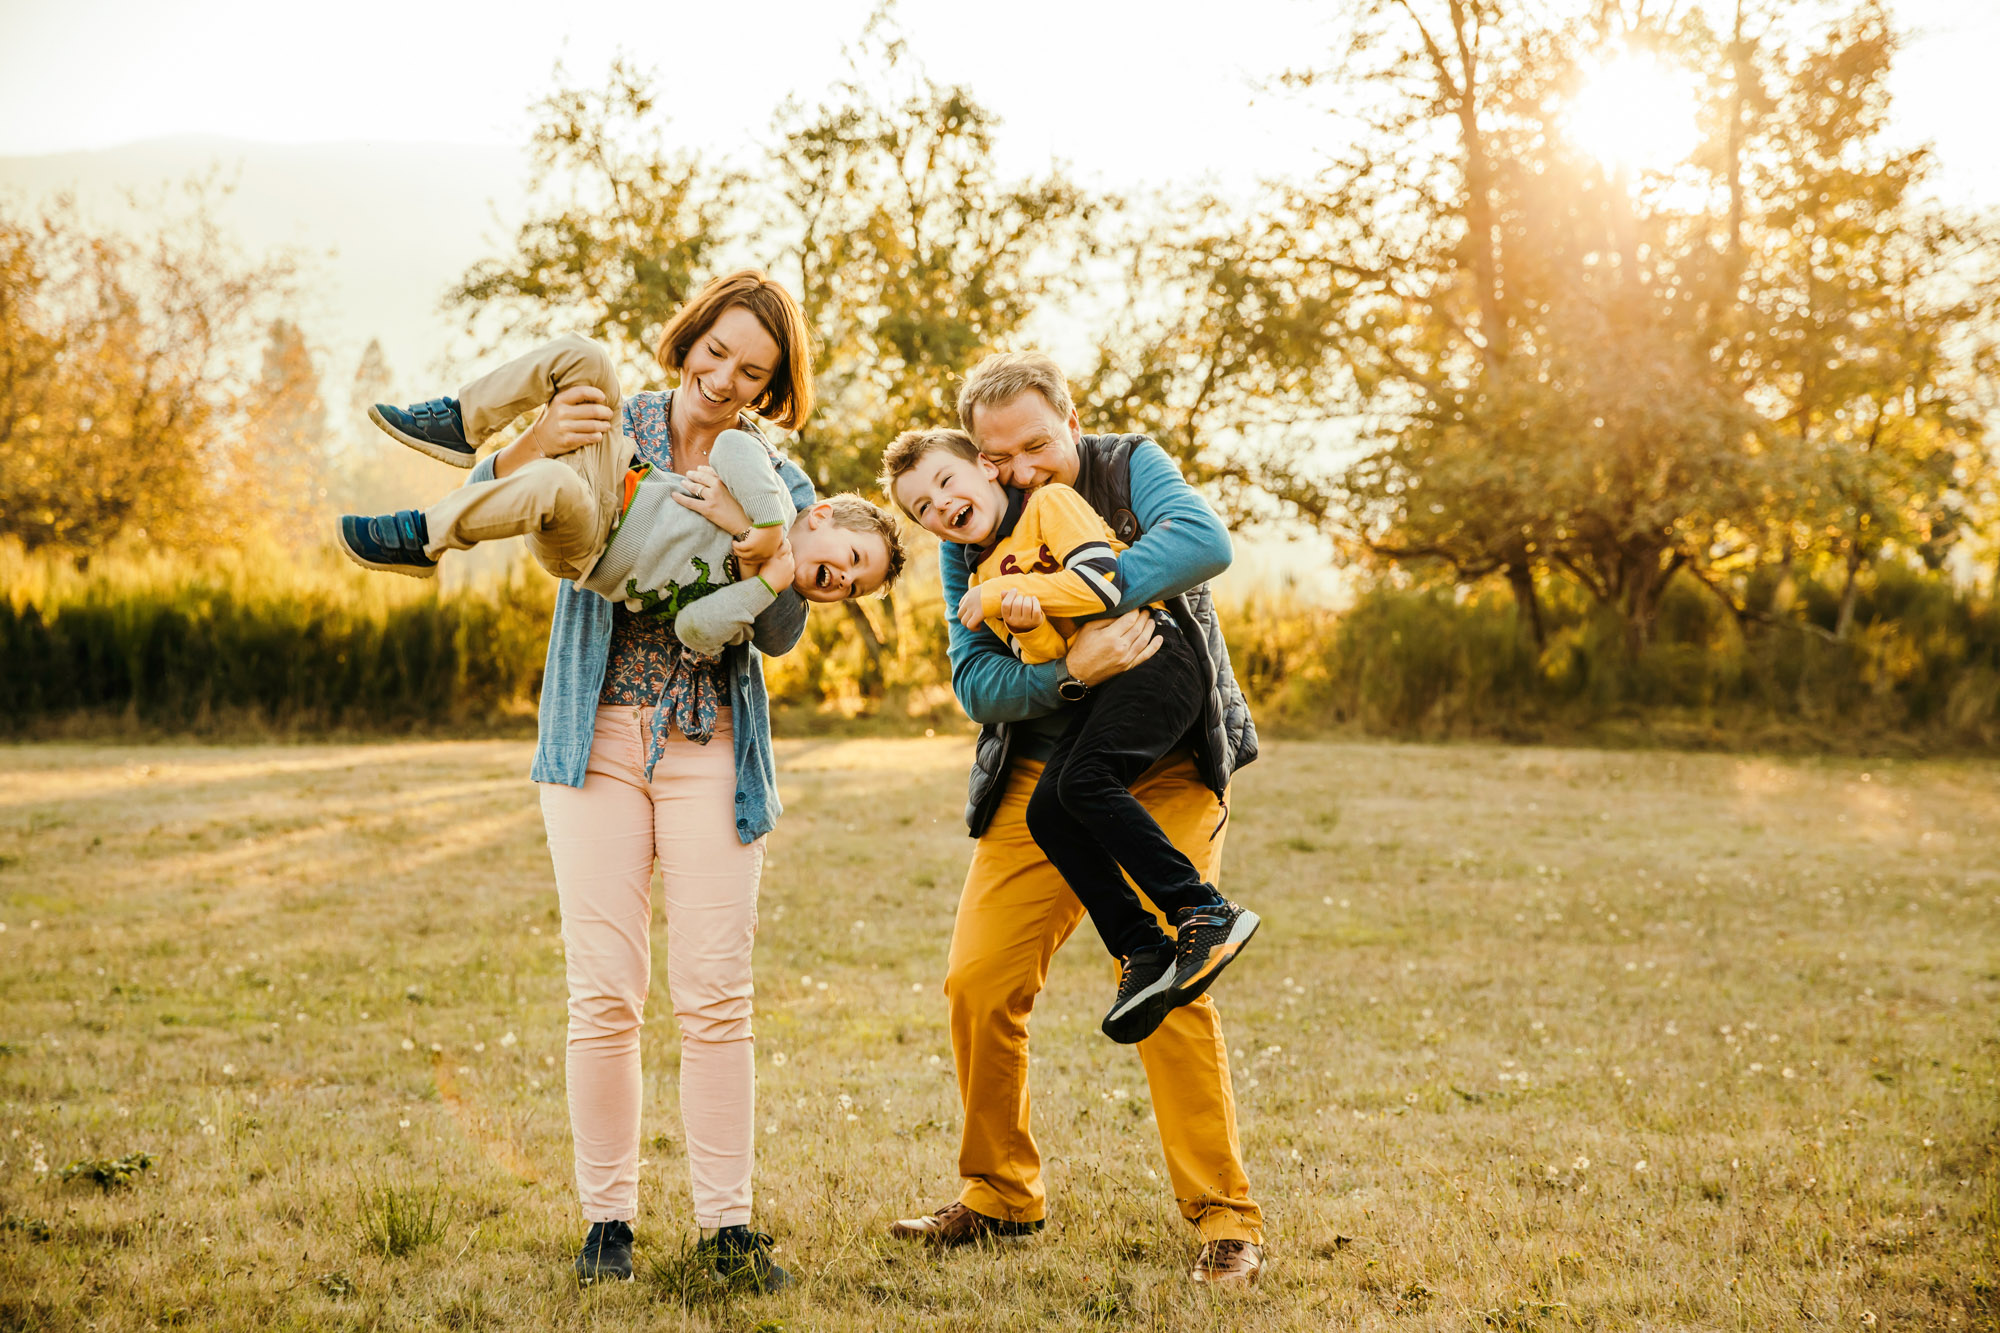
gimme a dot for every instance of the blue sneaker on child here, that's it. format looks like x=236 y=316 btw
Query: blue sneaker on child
x=393 y=542
x=434 y=427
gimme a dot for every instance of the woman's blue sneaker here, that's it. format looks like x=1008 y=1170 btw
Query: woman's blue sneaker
x=393 y=542
x=606 y=1254
x=434 y=427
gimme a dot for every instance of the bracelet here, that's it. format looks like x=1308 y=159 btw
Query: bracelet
x=742 y=536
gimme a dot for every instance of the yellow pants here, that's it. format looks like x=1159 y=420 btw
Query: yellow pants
x=1015 y=913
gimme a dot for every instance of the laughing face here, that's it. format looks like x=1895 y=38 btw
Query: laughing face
x=955 y=499
x=835 y=563
x=1029 y=443
x=728 y=370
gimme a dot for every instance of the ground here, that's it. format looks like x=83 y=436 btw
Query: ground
x=1531 y=1039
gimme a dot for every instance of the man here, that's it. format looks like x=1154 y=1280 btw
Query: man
x=1015 y=910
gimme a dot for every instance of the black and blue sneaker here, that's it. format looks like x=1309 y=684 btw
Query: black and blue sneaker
x=436 y=428
x=742 y=1258
x=606 y=1255
x=1207 y=939
x=1145 y=995
x=393 y=542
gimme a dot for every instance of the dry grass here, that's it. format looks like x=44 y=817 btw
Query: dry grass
x=1532 y=1039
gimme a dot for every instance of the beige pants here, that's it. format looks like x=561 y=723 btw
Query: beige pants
x=605 y=838
x=564 y=506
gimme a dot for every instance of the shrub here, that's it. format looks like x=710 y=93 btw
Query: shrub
x=108 y=1173
x=306 y=648
x=187 y=647
x=1921 y=668
x=398 y=1218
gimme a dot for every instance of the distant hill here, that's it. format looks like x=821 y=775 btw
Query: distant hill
x=383 y=228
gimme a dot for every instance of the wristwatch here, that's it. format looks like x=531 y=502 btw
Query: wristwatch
x=1071 y=689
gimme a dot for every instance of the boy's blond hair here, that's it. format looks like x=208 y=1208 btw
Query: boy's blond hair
x=908 y=449
x=856 y=514
x=1005 y=376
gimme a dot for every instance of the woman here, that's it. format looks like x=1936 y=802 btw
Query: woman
x=696 y=794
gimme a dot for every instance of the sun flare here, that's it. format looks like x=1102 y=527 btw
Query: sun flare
x=1634 y=112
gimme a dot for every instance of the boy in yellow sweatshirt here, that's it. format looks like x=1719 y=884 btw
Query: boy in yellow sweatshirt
x=1042 y=560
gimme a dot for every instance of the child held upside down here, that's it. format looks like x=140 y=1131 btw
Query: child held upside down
x=612 y=515
x=607 y=519
x=1043 y=558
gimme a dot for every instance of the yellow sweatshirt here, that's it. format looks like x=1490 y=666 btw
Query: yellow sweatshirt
x=1053 y=546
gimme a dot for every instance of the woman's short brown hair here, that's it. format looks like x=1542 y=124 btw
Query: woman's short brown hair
x=788 y=399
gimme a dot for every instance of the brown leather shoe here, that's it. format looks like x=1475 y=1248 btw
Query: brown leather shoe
x=955 y=1224
x=1228 y=1263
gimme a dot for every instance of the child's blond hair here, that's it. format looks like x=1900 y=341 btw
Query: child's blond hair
x=908 y=449
x=858 y=514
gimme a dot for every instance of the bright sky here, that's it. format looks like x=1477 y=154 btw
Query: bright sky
x=1170 y=104
x=1124 y=99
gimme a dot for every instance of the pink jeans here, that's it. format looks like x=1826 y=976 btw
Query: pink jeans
x=604 y=838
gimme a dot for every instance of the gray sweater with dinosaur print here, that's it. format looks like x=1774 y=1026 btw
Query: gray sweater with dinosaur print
x=667 y=560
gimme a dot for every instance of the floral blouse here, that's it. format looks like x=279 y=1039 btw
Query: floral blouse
x=648 y=666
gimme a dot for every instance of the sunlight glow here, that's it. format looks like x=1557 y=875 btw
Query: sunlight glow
x=1634 y=112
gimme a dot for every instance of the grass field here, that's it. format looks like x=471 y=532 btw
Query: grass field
x=1532 y=1039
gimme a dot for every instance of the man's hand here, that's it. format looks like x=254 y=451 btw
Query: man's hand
x=1022 y=611
x=969 y=613
x=574 y=418
x=1106 y=648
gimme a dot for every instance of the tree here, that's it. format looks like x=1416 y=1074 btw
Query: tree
x=907 y=253
x=373 y=383
x=912 y=257
x=1220 y=348
x=124 y=379
x=1875 y=313
x=372 y=473
x=283 y=457
x=1626 y=373
x=627 y=229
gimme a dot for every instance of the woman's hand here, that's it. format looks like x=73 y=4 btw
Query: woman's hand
x=574 y=418
x=706 y=495
x=1106 y=648
x=1022 y=611
x=969 y=613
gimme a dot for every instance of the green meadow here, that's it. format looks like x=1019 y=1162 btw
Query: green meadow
x=1532 y=1039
